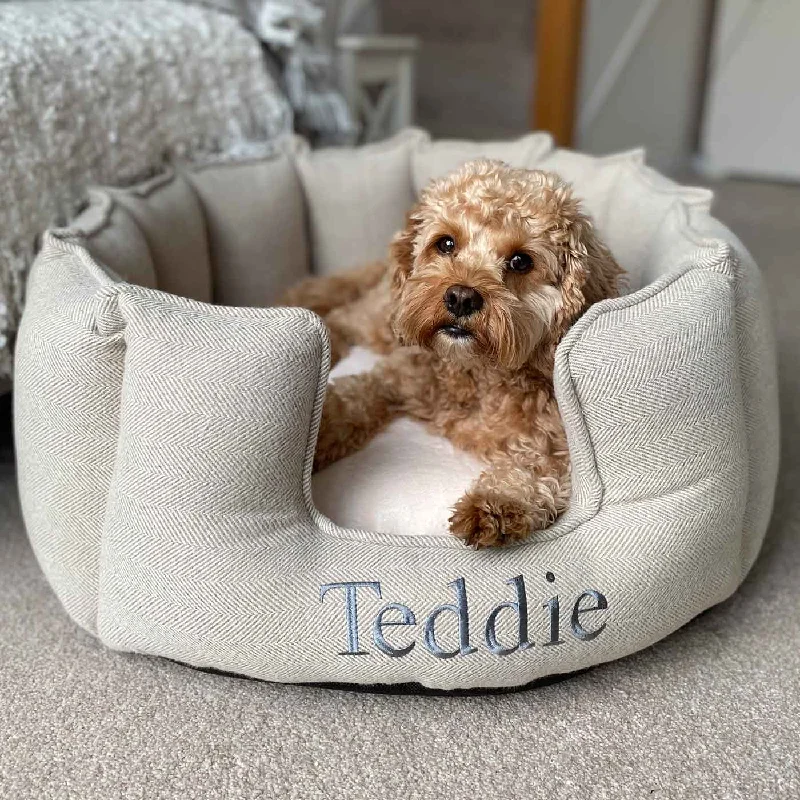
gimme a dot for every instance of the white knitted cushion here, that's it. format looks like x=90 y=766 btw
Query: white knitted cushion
x=165 y=448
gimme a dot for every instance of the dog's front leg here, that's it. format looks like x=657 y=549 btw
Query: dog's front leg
x=520 y=493
x=356 y=408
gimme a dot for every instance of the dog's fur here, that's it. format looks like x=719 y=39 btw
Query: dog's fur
x=490 y=389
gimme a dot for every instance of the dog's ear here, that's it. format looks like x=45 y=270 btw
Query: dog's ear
x=401 y=249
x=590 y=271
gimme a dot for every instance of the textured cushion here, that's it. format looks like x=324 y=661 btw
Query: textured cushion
x=231 y=230
x=619 y=188
x=357 y=199
x=165 y=449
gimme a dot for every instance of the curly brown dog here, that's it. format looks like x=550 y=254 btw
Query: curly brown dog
x=492 y=268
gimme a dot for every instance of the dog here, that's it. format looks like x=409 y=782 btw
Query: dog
x=493 y=266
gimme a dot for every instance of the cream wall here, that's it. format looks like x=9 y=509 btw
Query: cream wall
x=642 y=78
x=752 y=122
x=641 y=75
x=475 y=64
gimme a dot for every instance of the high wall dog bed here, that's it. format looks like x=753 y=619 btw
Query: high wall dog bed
x=165 y=443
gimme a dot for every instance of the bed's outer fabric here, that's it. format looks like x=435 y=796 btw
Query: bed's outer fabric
x=165 y=446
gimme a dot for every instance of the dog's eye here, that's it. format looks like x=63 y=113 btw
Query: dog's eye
x=520 y=262
x=446 y=244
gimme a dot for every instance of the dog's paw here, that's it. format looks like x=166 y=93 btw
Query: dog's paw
x=491 y=520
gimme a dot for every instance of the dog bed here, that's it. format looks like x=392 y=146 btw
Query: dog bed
x=166 y=421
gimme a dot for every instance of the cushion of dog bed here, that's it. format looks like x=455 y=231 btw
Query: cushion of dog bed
x=357 y=198
x=404 y=481
x=164 y=444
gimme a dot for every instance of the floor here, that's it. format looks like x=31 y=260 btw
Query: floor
x=711 y=712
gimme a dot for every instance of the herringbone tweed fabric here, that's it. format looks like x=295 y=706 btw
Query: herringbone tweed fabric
x=165 y=446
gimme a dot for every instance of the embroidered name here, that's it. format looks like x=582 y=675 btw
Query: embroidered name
x=585 y=623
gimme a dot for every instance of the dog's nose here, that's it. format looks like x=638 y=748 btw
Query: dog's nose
x=461 y=301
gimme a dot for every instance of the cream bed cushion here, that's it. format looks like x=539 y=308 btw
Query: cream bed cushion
x=164 y=444
x=405 y=481
x=357 y=198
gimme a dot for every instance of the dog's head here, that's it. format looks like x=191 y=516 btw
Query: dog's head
x=496 y=263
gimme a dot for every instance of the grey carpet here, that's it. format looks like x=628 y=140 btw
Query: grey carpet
x=711 y=712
